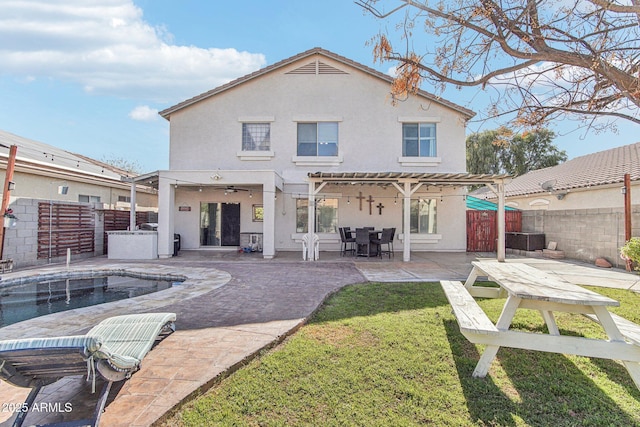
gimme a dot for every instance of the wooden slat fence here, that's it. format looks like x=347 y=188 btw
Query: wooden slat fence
x=65 y=226
x=482 y=229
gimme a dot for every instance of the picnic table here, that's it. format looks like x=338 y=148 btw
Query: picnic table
x=527 y=287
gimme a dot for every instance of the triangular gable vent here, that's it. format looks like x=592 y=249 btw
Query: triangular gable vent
x=317 y=67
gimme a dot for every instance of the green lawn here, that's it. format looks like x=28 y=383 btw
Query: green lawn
x=383 y=354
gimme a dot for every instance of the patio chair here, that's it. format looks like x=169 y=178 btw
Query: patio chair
x=305 y=246
x=385 y=239
x=347 y=241
x=363 y=240
x=114 y=349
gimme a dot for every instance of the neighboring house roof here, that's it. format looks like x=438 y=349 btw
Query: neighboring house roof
x=39 y=158
x=483 y=205
x=315 y=51
x=601 y=168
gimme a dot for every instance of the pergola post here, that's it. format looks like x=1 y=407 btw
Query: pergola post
x=311 y=220
x=498 y=189
x=406 y=222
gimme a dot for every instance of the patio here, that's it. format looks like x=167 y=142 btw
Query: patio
x=258 y=305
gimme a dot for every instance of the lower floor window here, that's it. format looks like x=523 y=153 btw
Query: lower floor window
x=326 y=216
x=423 y=216
x=88 y=199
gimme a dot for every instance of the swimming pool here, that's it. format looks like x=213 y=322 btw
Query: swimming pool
x=38 y=297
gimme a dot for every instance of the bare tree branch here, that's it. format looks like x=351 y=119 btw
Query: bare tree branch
x=576 y=59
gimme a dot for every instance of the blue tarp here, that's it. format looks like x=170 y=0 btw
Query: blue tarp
x=484 y=205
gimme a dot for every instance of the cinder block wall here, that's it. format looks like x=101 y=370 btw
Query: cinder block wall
x=21 y=241
x=584 y=234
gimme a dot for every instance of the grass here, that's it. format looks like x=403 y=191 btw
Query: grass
x=382 y=354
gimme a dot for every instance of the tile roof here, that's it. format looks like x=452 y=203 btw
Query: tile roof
x=315 y=51
x=601 y=168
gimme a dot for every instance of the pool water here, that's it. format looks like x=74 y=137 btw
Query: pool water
x=30 y=300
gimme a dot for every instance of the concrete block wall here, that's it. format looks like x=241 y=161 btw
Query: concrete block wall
x=584 y=234
x=21 y=241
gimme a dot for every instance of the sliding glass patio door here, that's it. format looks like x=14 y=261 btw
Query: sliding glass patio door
x=220 y=224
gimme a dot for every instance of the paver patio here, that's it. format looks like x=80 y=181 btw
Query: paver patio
x=253 y=304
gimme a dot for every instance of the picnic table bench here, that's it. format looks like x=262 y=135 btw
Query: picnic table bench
x=530 y=288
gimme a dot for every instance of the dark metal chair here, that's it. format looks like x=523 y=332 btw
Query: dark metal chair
x=347 y=241
x=363 y=241
x=385 y=239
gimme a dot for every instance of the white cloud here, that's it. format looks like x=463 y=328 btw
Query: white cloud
x=144 y=113
x=108 y=48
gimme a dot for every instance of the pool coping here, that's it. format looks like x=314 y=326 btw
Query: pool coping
x=197 y=281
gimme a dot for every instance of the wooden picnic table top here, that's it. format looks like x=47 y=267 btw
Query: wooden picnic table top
x=526 y=282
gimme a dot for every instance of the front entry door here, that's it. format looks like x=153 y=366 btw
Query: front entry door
x=220 y=224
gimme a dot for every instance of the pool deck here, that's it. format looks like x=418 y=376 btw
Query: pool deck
x=232 y=307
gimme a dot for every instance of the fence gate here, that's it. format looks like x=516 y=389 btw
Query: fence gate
x=65 y=226
x=482 y=229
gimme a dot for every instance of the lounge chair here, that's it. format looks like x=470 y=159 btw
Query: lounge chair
x=114 y=348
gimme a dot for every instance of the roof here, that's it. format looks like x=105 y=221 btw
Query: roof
x=39 y=156
x=315 y=51
x=426 y=178
x=601 y=168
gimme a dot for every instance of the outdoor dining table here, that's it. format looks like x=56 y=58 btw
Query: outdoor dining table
x=527 y=287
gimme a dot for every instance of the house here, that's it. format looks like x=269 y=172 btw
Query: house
x=307 y=145
x=61 y=203
x=45 y=172
x=580 y=204
x=591 y=181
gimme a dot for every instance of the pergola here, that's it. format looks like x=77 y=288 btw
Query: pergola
x=407 y=183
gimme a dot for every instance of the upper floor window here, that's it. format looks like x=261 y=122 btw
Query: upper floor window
x=318 y=139
x=256 y=136
x=419 y=140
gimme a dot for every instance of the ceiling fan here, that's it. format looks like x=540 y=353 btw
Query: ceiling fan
x=233 y=189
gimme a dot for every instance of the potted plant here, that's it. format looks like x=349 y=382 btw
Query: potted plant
x=630 y=252
x=9 y=218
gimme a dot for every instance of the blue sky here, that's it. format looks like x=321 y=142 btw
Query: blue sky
x=89 y=76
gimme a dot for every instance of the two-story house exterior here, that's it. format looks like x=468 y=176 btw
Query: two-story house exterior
x=307 y=145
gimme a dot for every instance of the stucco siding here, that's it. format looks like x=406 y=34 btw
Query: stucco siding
x=208 y=135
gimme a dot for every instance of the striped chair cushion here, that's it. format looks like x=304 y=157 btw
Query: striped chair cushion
x=127 y=339
x=90 y=344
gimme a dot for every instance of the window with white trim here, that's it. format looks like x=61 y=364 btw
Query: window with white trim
x=88 y=199
x=419 y=140
x=256 y=136
x=318 y=139
x=326 y=215
x=423 y=216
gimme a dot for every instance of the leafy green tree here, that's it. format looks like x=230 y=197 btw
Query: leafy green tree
x=531 y=151
x=499 y=151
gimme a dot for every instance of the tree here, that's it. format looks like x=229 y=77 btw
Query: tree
x=499 y=151
x=548 y=59
x=131 y=166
